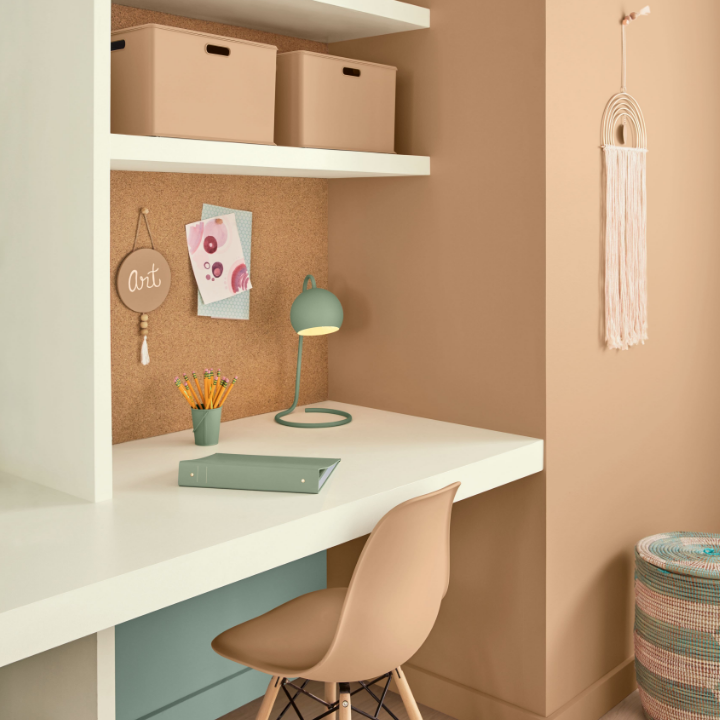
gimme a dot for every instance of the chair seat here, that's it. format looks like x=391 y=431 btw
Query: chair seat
x=289 y=640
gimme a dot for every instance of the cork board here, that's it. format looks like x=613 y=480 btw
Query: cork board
x=289 y=241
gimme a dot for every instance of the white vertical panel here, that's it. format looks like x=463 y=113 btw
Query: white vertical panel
x=54 y=254
x=101 y=255
x=106 y=674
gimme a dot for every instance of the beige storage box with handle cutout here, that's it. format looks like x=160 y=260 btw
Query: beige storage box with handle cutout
x=179 y=83
x=324 y=101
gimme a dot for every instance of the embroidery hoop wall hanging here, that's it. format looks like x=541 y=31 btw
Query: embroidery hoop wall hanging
x=143 y=282
x=625 y=214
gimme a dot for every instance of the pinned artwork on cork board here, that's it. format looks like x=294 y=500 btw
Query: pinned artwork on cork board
x=217 y=258
x=236 y=307
x=143 y=282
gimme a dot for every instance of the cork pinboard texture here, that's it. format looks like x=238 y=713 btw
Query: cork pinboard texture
x=289 y=241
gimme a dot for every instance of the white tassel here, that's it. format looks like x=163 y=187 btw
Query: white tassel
x=625 y=247
x=144 y=354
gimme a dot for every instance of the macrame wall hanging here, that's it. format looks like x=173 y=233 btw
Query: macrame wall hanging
x=624 y=145
x=143 y=282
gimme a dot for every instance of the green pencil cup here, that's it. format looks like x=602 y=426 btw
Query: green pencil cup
x=206 y=426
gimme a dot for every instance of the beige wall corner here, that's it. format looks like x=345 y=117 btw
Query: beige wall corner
x=489 y=635
x=629 y=435
x=443 y=284
x=460 y=701
x=465 y=703
x=601 y=697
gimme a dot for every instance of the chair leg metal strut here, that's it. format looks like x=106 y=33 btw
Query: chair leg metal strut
x=334 y=702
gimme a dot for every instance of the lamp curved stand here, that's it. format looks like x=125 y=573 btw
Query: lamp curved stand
x=347 y=417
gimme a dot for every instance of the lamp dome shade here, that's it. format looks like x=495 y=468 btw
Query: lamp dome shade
x=316 y=312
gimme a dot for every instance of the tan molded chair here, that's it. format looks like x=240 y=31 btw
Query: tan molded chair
x=365 y=631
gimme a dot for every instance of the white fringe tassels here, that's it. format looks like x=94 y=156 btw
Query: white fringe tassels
x=625 y=247
x=144 y=353
x=625 y=215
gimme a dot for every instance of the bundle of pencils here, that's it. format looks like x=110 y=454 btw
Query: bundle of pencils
x=213 y=393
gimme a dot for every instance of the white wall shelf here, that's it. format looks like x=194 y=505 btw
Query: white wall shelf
x=155 y=154
x=322 y=20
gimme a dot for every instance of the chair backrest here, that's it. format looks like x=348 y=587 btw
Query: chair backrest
x=396 y=589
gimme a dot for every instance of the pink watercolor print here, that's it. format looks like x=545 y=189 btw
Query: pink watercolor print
x=214 y=245
x=194 y=236
x=240 y=278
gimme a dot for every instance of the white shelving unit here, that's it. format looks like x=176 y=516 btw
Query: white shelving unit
x=56 y=429
x=155 y=154
x=322 y=20
x=55 y=204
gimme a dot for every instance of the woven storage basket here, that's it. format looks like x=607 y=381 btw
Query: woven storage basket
x=677 y=625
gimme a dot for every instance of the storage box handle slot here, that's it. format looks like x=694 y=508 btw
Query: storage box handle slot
x=217 y=50
x=117 y=45
x=351 y=71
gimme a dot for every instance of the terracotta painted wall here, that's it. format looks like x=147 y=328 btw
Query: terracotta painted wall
x=631 y=436
x=443 y=284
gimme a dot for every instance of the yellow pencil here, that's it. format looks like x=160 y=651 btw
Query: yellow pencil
x=223 y=387
x=213 y=391
x=192 y=390
x=187 y=396
x=200 y=392
x=208 y=390
x=229 y=390
x=191 y=396
x=182 y=391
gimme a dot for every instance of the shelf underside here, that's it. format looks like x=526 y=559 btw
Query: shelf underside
x=322 y=20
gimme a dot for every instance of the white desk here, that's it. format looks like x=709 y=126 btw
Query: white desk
x=69 y=568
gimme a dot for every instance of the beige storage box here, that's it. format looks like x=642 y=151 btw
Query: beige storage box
x=179 y=83
x=324 y=101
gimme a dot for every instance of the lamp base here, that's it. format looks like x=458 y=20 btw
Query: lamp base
x=347 y=417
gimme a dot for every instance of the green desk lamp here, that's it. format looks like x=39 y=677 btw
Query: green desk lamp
x=314 y=312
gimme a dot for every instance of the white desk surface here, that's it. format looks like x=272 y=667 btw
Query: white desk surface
x=69 y=568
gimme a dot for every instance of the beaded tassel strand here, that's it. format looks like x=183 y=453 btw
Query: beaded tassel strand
x=144 y=354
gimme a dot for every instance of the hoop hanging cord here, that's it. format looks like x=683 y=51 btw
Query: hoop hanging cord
x=626 y=21
x=143 y=214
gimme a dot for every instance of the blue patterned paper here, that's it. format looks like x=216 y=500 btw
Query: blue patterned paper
x=236 y=307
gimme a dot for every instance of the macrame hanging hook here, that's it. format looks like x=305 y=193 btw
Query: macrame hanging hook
x=622 y=114
x=625 y=22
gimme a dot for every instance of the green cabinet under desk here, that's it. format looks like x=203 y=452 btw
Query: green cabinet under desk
x=165 y=668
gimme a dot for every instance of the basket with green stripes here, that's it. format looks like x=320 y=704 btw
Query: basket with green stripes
x=677 y=625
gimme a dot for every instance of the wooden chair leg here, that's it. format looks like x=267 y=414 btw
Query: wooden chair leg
x=331 y=692
x=406 y=694
x=269 y=699
x=345 y=710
